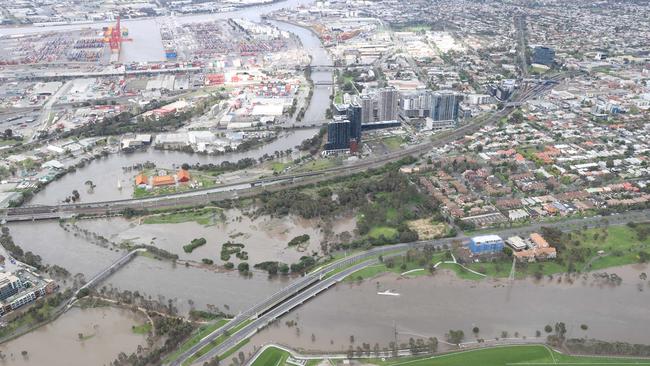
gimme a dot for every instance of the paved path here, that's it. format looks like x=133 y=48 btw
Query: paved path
x=326 y=276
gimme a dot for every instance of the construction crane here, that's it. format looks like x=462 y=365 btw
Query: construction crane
x=115 y=35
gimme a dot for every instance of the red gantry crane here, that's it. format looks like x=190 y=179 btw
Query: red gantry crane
x=115 y=35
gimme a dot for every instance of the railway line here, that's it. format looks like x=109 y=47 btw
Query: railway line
x=253 y=187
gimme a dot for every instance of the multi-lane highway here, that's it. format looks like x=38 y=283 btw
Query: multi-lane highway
x=323 y=278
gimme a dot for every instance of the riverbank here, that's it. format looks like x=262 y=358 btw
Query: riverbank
x=438 y=303
x=495 y=356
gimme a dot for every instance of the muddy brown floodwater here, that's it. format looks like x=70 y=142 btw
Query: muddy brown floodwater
x=162 y=280
x=432 y=305
x=265 y=238
x=106 y=331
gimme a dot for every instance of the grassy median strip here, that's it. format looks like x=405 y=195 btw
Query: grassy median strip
x=203 y=331
x=232 y=351
x=217 y=341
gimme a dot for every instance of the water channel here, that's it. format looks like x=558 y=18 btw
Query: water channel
x=147 y=46
x=442 y=302
x=435 y=304
x=105 y=333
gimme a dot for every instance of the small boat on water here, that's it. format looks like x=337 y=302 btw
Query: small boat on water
x=119 y=184
x=388 y=293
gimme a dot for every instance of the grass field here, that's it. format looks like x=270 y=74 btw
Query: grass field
x=278 y=167
x=387 y=232
x=393 y=143
x=141 y=329
x=400 y=265
x=495 y=356
x=508 y=356
x=318 y=164
x=620 y=245
x=203 y=216
x=271 y=356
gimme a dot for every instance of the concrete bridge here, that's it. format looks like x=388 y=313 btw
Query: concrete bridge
x=319 y=280
x=292 y=296
x=106 y=272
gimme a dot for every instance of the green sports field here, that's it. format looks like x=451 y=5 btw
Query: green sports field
x=272 y=357
x=531 y=355
x=510 y=355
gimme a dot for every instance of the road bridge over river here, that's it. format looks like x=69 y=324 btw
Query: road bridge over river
x=102 y=275
x=312 y=284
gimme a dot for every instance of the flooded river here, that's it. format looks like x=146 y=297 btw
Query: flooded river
x=106 y=172
x=265 y=238
x=442 y=302
x=161 y=280
x=106 y=333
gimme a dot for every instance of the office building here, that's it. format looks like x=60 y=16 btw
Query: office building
x=431 y=125
x=338 y=135
x=486 y=244
x=444 y=106
x=354 y=114
x=387 y=99
x=416 y=104
x=543 y=55
x=9 y=285
x=367 y=108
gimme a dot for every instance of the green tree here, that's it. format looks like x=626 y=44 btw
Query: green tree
x=455 y=336
x=243 y=267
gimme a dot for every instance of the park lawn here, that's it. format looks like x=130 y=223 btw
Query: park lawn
x=28 y=319
x=9 y=142
x=203 y=216
x=319 y=164
x=141 y=329
x=387 y=232
x=460 y=271
x=621 y=246
x=538 y=70
x=271 y=357
x=391 y=214
x=278 y=167
x=338 y=97
x=380 y=268
x=393 y=143
x=505 y=356
x=203 y=331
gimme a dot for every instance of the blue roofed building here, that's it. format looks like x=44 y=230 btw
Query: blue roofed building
x=486 y=244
